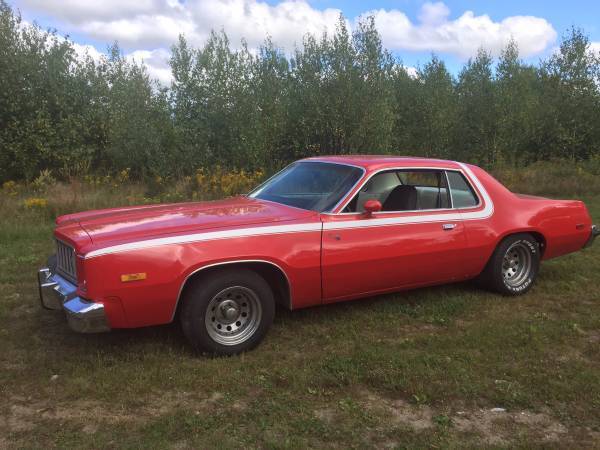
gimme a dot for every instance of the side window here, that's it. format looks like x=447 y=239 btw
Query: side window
x=462 y=194
x=377 y=188
x=404 y=190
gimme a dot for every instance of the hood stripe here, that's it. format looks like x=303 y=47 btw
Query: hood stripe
x=207 y=236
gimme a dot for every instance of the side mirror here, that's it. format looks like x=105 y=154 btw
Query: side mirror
x=372 y=206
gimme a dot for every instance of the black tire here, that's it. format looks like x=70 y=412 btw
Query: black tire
x=497 y=273
x=206 y=291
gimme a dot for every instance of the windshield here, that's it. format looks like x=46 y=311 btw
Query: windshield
x=316 y=186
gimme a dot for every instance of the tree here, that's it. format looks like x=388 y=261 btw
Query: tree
x=570 y=102
x=437 y=109
x=476 y=130
x=235 y=107
x=518 y=99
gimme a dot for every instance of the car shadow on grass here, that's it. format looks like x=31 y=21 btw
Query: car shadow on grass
x=437 y=305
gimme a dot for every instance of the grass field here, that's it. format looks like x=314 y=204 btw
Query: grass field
x=419 y=369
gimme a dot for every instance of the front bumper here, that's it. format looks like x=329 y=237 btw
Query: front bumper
x=58 y=293
x=595 y=232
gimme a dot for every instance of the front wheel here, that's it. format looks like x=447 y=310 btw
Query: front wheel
x=228 y=313
x=514 y=265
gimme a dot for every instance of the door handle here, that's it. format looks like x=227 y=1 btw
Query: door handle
x=449 y=226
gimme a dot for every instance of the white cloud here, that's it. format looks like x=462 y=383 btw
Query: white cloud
x=595 y=47
x=412 y=72
x=434 y=14
x=80 y=11
x=150 y=24
x=147 y=27
x=84 y=50
x=141 y=31
x=463 y=36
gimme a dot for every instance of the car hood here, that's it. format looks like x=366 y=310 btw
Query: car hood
x=121 y=225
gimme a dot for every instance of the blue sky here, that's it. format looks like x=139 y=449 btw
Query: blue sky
x=562 y=15
x=412 y=29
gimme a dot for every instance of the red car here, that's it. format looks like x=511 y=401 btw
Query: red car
x=322 y=230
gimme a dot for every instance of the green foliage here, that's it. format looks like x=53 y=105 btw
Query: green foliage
x=237 y=108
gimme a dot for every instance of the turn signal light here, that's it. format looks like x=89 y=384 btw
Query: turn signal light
x=133 y=277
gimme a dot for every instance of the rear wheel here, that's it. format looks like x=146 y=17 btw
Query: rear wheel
x=514 y=266
x=228 y=313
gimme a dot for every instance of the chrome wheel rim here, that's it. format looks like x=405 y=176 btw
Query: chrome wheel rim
x=516 y=265
x=233 y=315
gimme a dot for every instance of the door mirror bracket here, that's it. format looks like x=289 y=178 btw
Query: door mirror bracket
x=371 y=206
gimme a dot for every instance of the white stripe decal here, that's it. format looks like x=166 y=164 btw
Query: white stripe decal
x=208 y=236
x=487 y=211
x=489 y=204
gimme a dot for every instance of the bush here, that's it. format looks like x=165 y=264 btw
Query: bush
x=556 y=178
x=35 y=203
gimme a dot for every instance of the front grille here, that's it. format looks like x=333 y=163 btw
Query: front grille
x=65 y=261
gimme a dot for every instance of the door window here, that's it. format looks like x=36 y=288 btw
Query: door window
x=404 y=190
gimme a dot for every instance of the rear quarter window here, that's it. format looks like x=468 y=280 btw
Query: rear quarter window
x=463 y=195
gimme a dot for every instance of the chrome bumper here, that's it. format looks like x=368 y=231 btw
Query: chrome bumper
x=57 y=293
x=595 y=232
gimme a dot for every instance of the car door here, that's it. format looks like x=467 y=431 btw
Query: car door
x=391 y=250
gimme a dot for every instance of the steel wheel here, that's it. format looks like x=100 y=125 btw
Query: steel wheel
x=233 y=315
x=516 y=264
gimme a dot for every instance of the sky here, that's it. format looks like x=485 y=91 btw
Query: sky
x=412 y=29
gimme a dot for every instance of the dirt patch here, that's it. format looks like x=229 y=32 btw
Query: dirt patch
x=495 y=426
x=500 y=427
x=593 y=337
x=326 y=415
x=23 y=414
x=20 y=418
x=418 y=417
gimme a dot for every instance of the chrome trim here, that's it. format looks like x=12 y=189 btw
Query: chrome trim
x=58 y=293
x=594 y=232
x=54 y=289
x=224 y=263
x=395 y=212
x=389 y=169
x=84 y=316
x=448 y=191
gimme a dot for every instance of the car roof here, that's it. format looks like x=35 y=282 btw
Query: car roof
x=377 y=162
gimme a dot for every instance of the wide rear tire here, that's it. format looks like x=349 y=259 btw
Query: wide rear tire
x=514 y=265
x=228 y=312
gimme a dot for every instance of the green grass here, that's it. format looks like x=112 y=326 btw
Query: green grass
x=411 y=370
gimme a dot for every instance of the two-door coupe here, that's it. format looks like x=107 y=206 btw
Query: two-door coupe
x=322 y=230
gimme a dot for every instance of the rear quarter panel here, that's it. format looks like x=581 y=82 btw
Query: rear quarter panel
x=564 y=225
